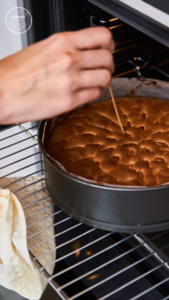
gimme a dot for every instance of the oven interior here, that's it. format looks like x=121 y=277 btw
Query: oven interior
x=91 y=263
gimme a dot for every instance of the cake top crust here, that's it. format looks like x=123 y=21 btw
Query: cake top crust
x=89 y=142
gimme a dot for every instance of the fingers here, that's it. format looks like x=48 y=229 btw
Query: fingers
x=70 y=83
x=80 y=60
x=92 y=78
x=86 y=95
x=92 y=38
x=96 y=59
x=89 y=49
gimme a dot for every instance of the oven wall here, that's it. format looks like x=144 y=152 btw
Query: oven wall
x=10 y=42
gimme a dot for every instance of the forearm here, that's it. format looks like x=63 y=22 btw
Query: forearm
x=16 y=75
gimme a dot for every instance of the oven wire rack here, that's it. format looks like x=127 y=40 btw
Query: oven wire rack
x=86 y=250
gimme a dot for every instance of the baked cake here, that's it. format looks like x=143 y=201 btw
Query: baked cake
x=90 y=143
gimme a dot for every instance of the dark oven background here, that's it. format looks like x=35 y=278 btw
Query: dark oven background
x=136 y=54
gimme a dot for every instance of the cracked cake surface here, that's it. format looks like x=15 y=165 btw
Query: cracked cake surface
x=89 y=142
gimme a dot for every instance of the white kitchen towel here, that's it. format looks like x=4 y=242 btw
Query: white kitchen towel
x=18 y=271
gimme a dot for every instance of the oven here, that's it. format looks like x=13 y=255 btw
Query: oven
x=92 y=263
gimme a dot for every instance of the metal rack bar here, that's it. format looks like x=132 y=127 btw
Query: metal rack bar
x=22 y=130
x=18 y=152
x=166 y=298
x=14 y=144
x=29 y=185
x=15 y=162
x=33 y=194
x=150 y=289
x=70 y=228
x=152 y=66
x=43 y=218
x=15 y=181
x=6 y=175
x=123 y=49
x=35 y=202
x=150 y=249
x=55 y=224
x=28 y=133
x=131 y=282
x=77 y=237
x=34 y=213
x=54 y=285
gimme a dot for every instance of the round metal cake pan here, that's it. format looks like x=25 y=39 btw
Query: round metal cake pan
x=119 y=209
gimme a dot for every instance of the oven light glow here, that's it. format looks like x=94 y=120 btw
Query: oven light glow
x=93 y=277
x=88 y=253
x=77 y=254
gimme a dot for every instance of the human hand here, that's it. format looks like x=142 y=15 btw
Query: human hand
x=55 y=75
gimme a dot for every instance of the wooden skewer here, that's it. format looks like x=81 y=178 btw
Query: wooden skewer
x=115 y=108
